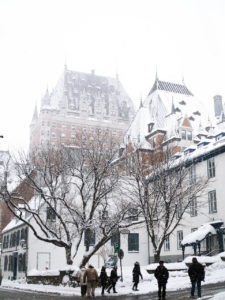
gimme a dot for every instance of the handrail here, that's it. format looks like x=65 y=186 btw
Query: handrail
x=214 y=251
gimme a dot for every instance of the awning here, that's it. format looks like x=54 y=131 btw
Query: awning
x=198 y=235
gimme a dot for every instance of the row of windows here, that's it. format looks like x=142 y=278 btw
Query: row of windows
x=179 y=240
x=193 y=205
x=211 y=170
x=133 y=240
x=74 y=127
x=72 y=136
x=186 y=135
x=14 y=238
x=103 y=215
x=15 y=262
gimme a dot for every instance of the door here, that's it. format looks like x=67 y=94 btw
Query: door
x=43 y=261
x=15 y=263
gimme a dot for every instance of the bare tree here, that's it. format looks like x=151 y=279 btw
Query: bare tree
x=164 y=189
x=77 y=195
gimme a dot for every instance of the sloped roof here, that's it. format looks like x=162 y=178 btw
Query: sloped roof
x=168 y=106
x=78 y=90
x=199 y=235
x=170 y=87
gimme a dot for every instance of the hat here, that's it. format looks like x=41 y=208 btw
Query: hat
x=161 y=262
x=194 y=260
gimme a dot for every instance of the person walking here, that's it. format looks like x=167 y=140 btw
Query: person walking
x=113 y=279
x=136 y=275
x=103 y=279
x=91 y=276
x=83 y=283
x=196 y=273
x=161 y=274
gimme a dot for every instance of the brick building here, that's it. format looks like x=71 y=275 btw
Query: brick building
x=21 y=189
x=81 y=103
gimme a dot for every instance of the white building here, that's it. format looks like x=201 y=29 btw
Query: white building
x=23 y=253
x=165 y=114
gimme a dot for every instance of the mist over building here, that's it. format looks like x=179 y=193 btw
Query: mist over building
x=81 y=103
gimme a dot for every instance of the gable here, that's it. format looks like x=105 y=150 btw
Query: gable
x=186 y=123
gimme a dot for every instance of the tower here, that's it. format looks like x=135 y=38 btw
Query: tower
x=81 y=103
x=218 y=105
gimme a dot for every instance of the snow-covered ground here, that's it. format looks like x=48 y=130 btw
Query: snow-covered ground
x=177 y=280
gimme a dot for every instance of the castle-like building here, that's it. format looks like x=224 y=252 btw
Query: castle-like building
x=169 y=115
x=81 y=103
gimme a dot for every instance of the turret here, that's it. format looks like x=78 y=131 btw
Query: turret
x=218 y=105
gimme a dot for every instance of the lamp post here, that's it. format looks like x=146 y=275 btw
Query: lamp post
x=210 y=244
x=121 y=253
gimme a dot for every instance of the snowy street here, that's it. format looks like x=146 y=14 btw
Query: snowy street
x=209 y=291
x=178 y=286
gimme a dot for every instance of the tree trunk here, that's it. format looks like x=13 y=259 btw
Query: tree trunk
x=84 y=260
x=157 y=257
x=68 y=256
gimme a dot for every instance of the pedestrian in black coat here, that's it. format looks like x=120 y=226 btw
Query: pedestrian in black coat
x=196 y=273
x=113 y=279
x=136 y=275
x=103 y=279
x=161 y=274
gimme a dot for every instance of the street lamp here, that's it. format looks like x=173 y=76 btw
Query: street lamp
x=121 y=253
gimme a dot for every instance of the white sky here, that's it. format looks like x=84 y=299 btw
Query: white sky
x=177 y=280
x=179 y=38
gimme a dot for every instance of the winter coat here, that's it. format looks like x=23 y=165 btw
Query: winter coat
x=196 y=272
x=136 y=273
x=82 y=280
x=90 y=274
x=161 y=274
x=103 y=277
x=113 y=275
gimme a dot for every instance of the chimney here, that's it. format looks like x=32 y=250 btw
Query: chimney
x=218 y=105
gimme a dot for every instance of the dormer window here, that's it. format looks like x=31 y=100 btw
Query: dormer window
x=150 y=126
x=191 y=118
x=220 y=136
x=186 y=134
x=197 y=113
x=189 y=135
x=203 y=143
x=182 y=102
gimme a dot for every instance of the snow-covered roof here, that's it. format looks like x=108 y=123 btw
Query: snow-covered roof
x=34 y=204
x=168 y=106
x=198 y=235
x=70 y=89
